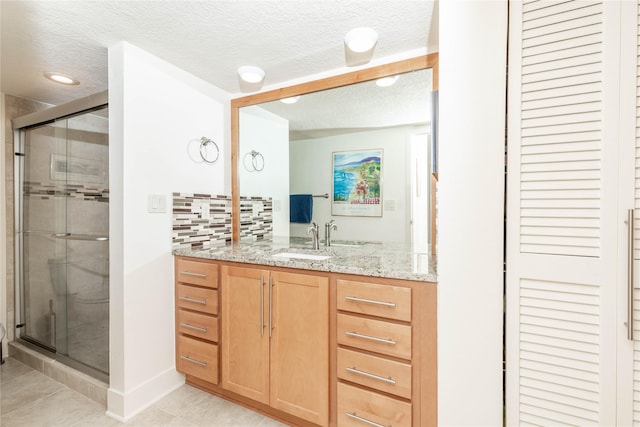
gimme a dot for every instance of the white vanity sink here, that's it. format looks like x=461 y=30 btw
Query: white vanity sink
x=346 y=245
x=339 y=243
x=301 y=256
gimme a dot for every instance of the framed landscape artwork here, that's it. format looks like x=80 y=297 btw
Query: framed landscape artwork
x=357 y=183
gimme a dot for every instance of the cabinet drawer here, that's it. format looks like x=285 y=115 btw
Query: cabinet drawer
x=199 y=299
x=197 y=273
x=197 y=358
x=198 y=325
x=393 y=302
x=358 y=408
x=375 y=372
x=375 y=335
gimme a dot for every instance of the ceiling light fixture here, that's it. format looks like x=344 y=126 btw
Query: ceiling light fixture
x=251 y=74
x=290 y=100
x=61 y=78
x=387 y=81
x=360 y=40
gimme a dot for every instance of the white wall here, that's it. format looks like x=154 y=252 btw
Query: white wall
x=156 y=112
x=473 y=37
x=312 y=172
x=268 y=134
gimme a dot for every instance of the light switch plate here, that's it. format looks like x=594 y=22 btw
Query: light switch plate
x=389 y=205
x=205 y=211
x=257 y=208
x=156 y=203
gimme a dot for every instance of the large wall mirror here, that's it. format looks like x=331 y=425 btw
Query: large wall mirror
x=364 y=152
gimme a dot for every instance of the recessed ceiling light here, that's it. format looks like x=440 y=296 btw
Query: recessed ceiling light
x=387 y=81
x=61 y=78
x=251 y=74
x=290 y=100
x=360 y=40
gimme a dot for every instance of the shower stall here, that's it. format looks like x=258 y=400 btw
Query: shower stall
x=62 y=232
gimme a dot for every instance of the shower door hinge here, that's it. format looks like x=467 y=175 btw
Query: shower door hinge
x=20 y=325
x=19 y=154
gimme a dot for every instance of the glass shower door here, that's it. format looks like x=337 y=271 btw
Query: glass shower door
x=44 y=216
x=64 y=237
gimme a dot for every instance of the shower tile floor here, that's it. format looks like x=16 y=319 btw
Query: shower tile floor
x=31 y=399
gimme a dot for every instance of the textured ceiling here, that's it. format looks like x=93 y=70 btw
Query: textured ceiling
x=210 y=39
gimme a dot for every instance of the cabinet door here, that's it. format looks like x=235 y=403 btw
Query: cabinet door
x=629 y=343
x=564 y=226
x=300 y=346
x=245 y=339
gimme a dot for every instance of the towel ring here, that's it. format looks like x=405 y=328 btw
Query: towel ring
x=204 y=152
x=256 y=164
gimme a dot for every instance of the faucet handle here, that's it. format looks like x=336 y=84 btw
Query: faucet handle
x=312 y=228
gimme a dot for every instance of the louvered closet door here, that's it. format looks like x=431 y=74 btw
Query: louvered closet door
x=629 y=387
x=563 y=219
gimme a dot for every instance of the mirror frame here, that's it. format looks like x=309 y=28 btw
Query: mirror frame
x=398 y=67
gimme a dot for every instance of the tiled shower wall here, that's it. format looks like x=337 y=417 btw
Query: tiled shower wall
x=195 y=228
x=14 y=107
x=75 y=191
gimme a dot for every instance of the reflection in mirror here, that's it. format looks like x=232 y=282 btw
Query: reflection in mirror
x=297 y=146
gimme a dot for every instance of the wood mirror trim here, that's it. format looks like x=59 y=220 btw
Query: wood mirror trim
x=404 y=66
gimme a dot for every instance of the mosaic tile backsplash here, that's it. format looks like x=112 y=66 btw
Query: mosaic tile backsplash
x=195 y=228
x=256 y=224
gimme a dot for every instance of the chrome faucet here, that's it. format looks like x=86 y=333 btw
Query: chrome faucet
x=327 y=231
x=314 y=235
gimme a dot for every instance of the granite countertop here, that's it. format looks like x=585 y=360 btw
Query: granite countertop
x=396 y=261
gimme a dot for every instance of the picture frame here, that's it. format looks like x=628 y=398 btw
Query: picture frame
x=357 y=183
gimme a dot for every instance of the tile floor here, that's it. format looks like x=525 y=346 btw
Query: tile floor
x=31 y=399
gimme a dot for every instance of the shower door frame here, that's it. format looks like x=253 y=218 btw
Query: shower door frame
x=50 y=115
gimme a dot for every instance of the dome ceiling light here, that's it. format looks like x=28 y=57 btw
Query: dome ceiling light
x=387 y=81
x=61 y=78
x=251 y=74
x=290 y=100
x=361 y=40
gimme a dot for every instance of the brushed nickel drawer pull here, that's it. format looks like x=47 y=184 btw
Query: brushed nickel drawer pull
x=270 y=306
x=372 y=376
x=193 y=300
x=197 y=362
x=262 y=325
x=195 y=328
x=188 y=273
x=630 y=272
x=370 y=301
x=364 y=420
x=368 y=337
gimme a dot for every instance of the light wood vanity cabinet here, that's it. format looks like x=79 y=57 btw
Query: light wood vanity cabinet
x=275 y=339
x=197 y=319
x=385 y=353
x=309 y=348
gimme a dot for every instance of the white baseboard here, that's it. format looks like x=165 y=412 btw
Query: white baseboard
x=123 y=406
